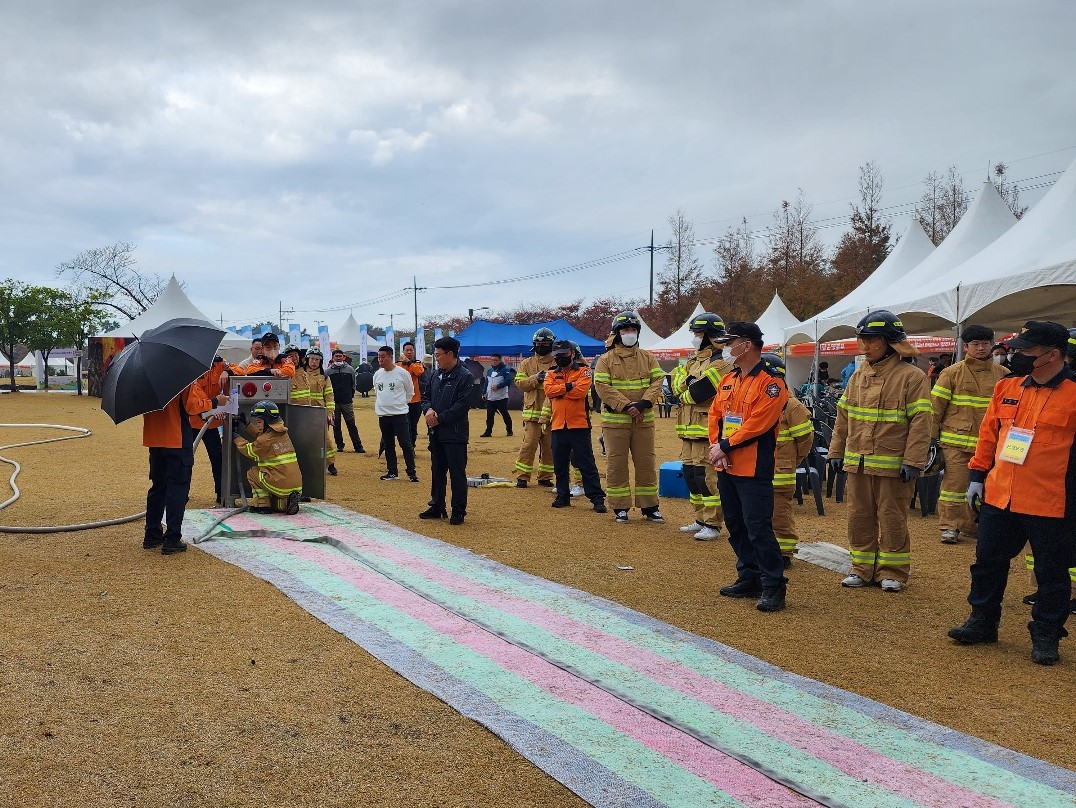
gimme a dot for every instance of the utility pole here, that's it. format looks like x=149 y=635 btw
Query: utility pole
x=282 y=312
x=415 y=289
x=651 y=267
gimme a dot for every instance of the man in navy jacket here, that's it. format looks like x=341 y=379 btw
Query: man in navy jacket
x=445 y=405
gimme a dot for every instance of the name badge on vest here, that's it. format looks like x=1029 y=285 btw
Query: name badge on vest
x=1017 y=445
x=731 y=424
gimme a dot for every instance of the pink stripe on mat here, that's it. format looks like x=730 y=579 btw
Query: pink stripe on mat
x=842 y=753
x=719 y=770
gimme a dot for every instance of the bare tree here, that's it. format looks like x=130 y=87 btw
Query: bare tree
x=944 y=201
x=863 y=248
x=737 y=269
x=112 y=272
x=796 y=261
x=1008 y=190
x=682 y=275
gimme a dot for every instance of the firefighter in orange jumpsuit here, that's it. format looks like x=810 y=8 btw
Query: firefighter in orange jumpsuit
x=795 y=438
x=743 y=444
x=275 y=481
x=567 y=387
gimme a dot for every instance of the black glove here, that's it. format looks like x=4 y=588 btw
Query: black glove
x=836 y=464
x=568 y=386
x=689 y=381
x=643 y=405
x=908 y=473
x=541 y=377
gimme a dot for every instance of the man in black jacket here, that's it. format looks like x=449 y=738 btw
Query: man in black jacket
x=445 y=404
x=342 y=378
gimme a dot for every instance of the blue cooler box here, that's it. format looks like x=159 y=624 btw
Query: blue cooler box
x=671 y=482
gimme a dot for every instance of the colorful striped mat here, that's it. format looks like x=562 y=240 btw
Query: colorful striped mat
x=622 y=709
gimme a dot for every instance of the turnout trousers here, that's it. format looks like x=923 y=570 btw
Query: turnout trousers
x=534 y=442
x=748 y=505
x=953 y=510
x=1002 y=535
x=784 y=521
x=878 y=537
x=574 y=446
x=638 y=440
x=448 y=461
x=169 y=490
x=701 y=479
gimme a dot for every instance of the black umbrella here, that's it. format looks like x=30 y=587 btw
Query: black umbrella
x=149 y=373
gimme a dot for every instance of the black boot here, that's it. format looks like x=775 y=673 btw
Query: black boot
x=1044 y=640
x=433 y=512
x=743 y=588
x=561 y=501
x=773 y=599
x=599 y=505
x=978 y=629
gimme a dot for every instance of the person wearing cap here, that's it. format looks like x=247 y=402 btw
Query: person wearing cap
x=530 y=379
x=1023 y=482
x=881 y=438
x=342 y=378
x=695 y=384
x=629 y=384
x=742 y=430
x=270 y=362
x=960 y=396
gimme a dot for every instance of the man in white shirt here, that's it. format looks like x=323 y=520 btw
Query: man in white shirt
x=393 y=390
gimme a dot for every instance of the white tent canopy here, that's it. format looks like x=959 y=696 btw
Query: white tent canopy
x=912 y=249
x=681 y=338
x=347 y=335
x=648 y=338
x=1028 y=273
x=775 y=320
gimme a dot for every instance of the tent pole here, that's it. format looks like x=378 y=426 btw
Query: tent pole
x=958 y=354
x=817 y=353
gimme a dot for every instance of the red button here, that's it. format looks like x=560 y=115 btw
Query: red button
x=250 y=389
x=267 y=386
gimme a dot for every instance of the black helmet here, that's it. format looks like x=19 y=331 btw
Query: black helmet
x=882 y=323
x=774 y=361
x=626 y=319
x=709 y=325
x=564 y=346
x=1071 y=350
x=267 y=410
x=576 y=350
x=543 y=335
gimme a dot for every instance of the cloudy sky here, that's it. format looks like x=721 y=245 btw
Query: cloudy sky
x=325 y=153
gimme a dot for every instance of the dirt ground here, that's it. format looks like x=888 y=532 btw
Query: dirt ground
x=131 y=678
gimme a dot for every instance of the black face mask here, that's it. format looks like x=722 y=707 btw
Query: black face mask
x=563 y=361
x=542 y=349
x=1022 y=364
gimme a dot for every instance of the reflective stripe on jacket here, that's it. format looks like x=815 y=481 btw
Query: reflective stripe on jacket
x=274 y=453
x=1046 y=482
x=795 y=437
x=320 y=391
x=624 y=376
x=567 y=391
x=960 y=398
x=533 y=390
x=692 y=422
x=300 y=388
x=883 y=419
x=758 y=398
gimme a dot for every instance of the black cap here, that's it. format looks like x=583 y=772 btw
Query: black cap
x=745 y=330
x=270 y=336
x=1041 y=333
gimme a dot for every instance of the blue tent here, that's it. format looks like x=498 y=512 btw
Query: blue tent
x=482 y=338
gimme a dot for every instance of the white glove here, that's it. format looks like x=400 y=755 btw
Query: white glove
x=975 y=496
x=216 y=412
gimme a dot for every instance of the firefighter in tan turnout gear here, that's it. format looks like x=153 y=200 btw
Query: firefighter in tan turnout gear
x=628 y=380
x=960 y=396
x=881 y=439
x=695 y=383
x=530 y=379
x=795 y=437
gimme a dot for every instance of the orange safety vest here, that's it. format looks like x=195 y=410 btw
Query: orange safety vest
x=163 y=429
x=756 y=399
x=567 y=390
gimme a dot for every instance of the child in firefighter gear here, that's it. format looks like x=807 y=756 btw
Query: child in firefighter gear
x=742 y=431
x=530 y=379
x=694 y=384
x=275 y=482
x=271 y=362
x=320 y=394
x=960 y=397
x=629 y=383
x=567 y=387
x=1023 y=482
x=881 y=438
x=795 y=438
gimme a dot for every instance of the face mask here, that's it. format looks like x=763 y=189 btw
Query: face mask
x=629 y=340
x=543 y=349
x=1022 y=364
x=563 y=361
x=998 y=359
x=736 y=356
x=696 y=342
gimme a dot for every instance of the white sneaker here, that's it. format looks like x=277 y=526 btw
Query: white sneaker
x=889 y=585
x=576 y=490
x=950 y=536
x=708 y=534
x=694 y=527
x=853 y=582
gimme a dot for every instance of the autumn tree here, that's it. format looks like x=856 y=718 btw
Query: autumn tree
x=112 y=272
x=862 y=249
x=944 y=201
x=1008 y=190
x=736 y=292
x=795 y=262
x=680 y=279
